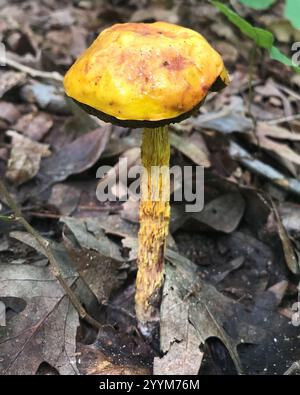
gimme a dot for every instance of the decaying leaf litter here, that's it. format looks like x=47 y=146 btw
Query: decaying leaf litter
x=232 y=270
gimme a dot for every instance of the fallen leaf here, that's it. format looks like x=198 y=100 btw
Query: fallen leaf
x=65 y=198
x=45 y=331
x=184 y=357
x=34 y=125
x=223 y=213
x=266 y=136
x=9 y=112
x=102 y=274
x=9 y=80
x=195 y=152
x=187 y=300
x=66 y=264
x=113 y=224
x=230 y=119
x=75 y=157
x=96 y=241
x=25 y=158
x=266 y=130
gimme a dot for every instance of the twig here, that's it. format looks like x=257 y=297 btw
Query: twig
x=48 y=252
x=54 y=75
x=240 y=154
x=96 y=208
x=44 y=215
x=250 y=81
x=290 y=256
x=121 y=310
x=290 y=118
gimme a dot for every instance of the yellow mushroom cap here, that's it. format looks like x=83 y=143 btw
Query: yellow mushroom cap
x=145 y=72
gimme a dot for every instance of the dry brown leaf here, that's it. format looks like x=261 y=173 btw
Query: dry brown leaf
x=101 y=273
x=34 y=125
x=65 y=198
x=194 y=149
x=270 y=91
x=231 y=118
x=9 y=80
x=183 y=357
x=9 y=112
x=93 y=238
x=25 y=158
x=265 y=136
x=276 y=132
x=76 y=157
x=190 y=314
x=223 y=213
x=45 y=328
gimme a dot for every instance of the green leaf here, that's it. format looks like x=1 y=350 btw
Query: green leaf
x=263 y=38
x=292 y=12
x=276 y=54
x=258 y=4
x=5 y=219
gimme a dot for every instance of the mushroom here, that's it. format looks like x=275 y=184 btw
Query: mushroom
x=147 y=75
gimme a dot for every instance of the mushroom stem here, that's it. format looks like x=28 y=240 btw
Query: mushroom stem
x=154 y=225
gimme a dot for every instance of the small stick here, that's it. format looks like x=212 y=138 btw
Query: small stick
x=238 y=153
x=290 y=118
x=54 y=75
x=44 y=215
x=48 y=252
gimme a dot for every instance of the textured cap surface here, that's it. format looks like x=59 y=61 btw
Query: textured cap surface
x=145 y=72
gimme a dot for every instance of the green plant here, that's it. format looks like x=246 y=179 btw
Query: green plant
x=5 y=219
x=292 y=12
x=291 y=8
x=262 y=37
x=258 y=4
